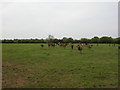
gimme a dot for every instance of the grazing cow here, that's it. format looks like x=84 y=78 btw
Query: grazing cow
x=53 y=45
x=90 y=46
x=82 y=45
x=60 y=44
x=64 y=45
x=72 y=46
x=80 y=48
x=57 y=44
x=42 y=45
x=48 y=45
x=118 y=47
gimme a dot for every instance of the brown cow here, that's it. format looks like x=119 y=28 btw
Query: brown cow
x=53 y=45
x=64 y=45
x=90 y=46
x=48 y=45
x=80 y=48
x=72 y=46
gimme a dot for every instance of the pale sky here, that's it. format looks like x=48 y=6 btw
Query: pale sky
x=60 y=19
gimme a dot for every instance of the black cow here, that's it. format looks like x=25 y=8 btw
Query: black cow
x=42 y=45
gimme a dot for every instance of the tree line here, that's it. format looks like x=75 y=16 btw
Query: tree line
x=95 y=39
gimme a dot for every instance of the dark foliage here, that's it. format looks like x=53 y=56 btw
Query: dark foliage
x=65 y=40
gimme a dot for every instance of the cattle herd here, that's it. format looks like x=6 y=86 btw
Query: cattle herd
x=72 y=46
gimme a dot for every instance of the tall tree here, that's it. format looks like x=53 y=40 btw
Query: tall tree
x=95 y=40
x=50 y=39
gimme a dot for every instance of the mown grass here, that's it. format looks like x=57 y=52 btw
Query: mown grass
x=30 y=66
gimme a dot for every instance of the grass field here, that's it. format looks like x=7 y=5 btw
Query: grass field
x=30 y=66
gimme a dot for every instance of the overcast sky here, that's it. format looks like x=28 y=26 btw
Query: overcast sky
x=60 y=19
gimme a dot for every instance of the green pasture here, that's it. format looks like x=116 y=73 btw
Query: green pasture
x=31 y=66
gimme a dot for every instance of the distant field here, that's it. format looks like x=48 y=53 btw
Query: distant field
x=30 y=66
